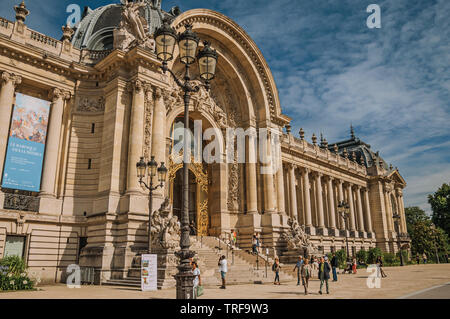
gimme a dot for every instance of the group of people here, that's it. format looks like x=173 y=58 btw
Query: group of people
x=307 y=269
x=223 y=269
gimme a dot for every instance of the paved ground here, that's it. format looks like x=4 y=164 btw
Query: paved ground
x=412 y=281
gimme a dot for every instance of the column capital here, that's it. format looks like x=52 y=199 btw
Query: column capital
x=399 y=192
x=159 y=92
x=57 y=93
x=10 y=77
x=329 y=178
x=305 y=170
x=292 y=166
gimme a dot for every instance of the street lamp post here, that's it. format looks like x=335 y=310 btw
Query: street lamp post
x=344 y=211
x=166 y=39
x=150 y=170
x=396 y=218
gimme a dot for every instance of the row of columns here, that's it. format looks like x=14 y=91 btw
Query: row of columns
x=326 y=197
x=59 y=98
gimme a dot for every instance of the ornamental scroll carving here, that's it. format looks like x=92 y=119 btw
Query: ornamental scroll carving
x=91 y=105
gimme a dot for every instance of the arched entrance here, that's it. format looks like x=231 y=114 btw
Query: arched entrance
x=198 y=194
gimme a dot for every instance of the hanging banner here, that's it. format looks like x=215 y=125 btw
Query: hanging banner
x=149 y=272
x=26 y=144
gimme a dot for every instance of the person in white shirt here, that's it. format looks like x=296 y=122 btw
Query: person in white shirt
x=197 y=278
x=223 y=270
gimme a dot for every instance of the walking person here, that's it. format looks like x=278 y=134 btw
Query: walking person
x=424 y=257
x=334 y=266
x=305 y=272
x=379 y=263
x=254 y=244
x=298 y=266
x=324 y=274
x=315 y=267
x=276 y=268
x=223 y=268
x=417 y=258
x=197 y=279
x=258 y=244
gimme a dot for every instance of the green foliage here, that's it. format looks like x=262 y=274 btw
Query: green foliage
x=362 y=255
x=440 y=205
x=413 y=215
x=13 y=274
x=15 y=264
x=341 y=256
x=390 y=259
x=424 y=238
x=405 y=255
x=373 y=254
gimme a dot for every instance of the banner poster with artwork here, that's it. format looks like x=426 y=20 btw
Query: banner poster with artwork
x=149 y=272
x=26 y=144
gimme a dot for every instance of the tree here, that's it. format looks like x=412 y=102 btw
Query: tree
x=440 y=205
x=413 y=215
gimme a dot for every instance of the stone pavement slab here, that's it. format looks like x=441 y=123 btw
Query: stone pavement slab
x=401 y=281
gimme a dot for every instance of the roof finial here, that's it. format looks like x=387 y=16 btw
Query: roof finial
x=314 y=139
x=21 y=12
x=352 y=132
x=302 y=134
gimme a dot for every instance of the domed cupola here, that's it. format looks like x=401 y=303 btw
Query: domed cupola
x=95 y=31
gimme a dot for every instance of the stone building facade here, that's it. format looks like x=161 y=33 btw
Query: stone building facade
x=111 y=104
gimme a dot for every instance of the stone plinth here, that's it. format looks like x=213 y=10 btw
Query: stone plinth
x=291 y=256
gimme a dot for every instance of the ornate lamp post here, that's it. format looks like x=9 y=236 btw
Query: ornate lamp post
x=344 y=211
x=142 y=173
x=166 y=38
x=396 y=218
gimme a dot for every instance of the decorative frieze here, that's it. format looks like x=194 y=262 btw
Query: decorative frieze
x=21 y=202
x=91 y=104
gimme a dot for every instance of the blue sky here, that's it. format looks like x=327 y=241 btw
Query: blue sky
x=392 y=83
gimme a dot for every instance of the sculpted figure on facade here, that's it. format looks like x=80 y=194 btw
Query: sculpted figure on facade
x=297 y=238
x=133 y=28
x=165 y=229
x=91 y=106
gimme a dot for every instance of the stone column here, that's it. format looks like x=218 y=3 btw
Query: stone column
x=388 y=204
x=319 y=194
x=58 y=97
x=293 y=192
x=280 y=191
x=136 y=135
x=341 y=198
x=331 y=203
x=159 y=133
x=368 y=213
x=252 y=196
x=307 y=196
x=8 y=83
x=360 y=209
x=401 y=210
x=269 y=192
x=352 y=211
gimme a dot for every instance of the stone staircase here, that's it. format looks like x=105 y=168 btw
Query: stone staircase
x=243 y=267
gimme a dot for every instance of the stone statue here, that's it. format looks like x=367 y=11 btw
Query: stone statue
x=165 y=229
x=297 y=239
x=133 y=28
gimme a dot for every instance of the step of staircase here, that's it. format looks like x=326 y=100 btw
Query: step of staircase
x=243 y=267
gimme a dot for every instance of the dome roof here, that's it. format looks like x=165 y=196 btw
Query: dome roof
x=95 y=30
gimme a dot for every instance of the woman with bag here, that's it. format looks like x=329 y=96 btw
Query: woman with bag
x=198 y=288
x=276 y=268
